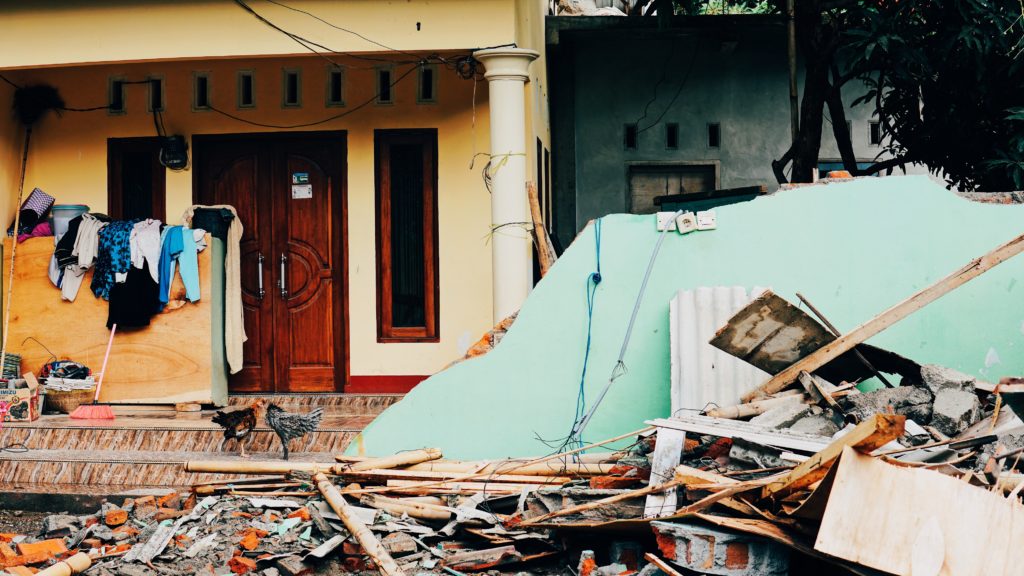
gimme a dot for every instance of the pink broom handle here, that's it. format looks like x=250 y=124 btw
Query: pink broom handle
x=103 y=371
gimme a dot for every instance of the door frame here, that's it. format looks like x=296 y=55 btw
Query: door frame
x=339 y=228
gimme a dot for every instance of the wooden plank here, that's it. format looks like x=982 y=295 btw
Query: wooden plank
x=877 y=513
x=639 y=492
x=546 y=255
x=662 y=565
x=166 y=363
x=833 y=349
x=866 y=437
x=668 y=451
x=745 y=430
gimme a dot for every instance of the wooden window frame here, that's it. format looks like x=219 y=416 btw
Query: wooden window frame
x=115 y=189
x=386 y=332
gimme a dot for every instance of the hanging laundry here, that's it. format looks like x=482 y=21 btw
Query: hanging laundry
x=234 y=325
x=114 y=257
x=76 y=252
x=134 y=301
x=180 y=247
x=145 y=246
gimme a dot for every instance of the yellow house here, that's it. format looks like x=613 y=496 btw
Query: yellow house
x=352 y=137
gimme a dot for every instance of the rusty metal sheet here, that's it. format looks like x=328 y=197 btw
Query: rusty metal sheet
x=771 y=333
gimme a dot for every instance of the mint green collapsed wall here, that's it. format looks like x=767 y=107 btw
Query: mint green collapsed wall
x=853 y=249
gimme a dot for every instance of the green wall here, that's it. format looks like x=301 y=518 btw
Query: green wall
x=853 y=249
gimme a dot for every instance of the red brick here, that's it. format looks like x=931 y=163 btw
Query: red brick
x=737 y=555
x=116 y=517
x=241 y=565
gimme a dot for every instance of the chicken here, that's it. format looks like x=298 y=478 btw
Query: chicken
x=238 y=423
x=291 y=426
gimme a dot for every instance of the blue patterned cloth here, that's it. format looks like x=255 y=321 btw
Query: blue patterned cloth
x=113 y=256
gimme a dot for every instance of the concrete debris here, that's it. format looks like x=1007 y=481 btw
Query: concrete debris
x=818 y=424
x=955 y=410
x=910 y=401
x=935 y=378
x=782 y=416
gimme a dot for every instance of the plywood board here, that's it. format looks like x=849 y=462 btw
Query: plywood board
x=881 y=515
x=167 y=362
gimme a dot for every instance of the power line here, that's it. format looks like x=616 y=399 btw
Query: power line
x=343 y=29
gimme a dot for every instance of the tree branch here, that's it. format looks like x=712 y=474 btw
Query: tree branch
x=837 y=112
x=885 y=165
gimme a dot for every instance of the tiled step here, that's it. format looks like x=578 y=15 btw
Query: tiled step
x=340 y=404
x=118 y=468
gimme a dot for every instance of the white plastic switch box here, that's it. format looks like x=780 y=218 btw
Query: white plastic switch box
x=706 y=220
x=686 y=222
x=666 y=220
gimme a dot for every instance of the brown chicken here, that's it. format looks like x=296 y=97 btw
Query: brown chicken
x=238 y=423
x=289 y=426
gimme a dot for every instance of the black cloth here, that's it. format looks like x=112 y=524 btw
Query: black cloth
x=133 y=302
x=216 y=221
x=66 y=244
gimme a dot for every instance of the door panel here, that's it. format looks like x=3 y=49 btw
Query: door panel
x=296 y=331
x=305 y=320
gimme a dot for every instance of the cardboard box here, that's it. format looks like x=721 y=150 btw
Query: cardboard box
x=21 y=404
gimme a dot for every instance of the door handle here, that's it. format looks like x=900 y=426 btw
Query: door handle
x=259 y=276
x=284 y=276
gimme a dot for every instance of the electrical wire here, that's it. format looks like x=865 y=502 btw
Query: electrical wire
x=679 y=90
x=620 y=365
x=315 y=122
x=346 y=30
x=593 y=280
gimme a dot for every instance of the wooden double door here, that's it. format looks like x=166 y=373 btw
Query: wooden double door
x=289 y=192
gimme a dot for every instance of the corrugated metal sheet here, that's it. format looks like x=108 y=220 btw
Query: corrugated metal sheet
x=701 y=373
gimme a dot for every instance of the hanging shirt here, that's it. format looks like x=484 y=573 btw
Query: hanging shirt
x=171 y=246
x=113 y=258
x=133 y=302
x=145 y=246
x=83 y=253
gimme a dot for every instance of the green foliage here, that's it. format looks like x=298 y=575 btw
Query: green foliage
x=947 y=80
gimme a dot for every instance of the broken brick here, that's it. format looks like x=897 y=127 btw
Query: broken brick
x=250 y=541
x=613 y=482
x=168 y=514
x=51 y=547
x=301 y=514
x=241 y=565
x=116 y=517
x=171 y=500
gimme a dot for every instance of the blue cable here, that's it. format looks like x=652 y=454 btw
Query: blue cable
x=591 y=290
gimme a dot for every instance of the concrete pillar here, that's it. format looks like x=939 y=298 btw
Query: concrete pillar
x=506 y=74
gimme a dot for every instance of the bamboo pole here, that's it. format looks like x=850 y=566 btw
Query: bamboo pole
x=756 y=407
x=285 y=467
x=396 y=461
x=78 y=563
x=397 y=507
x=609 y=500
x=373 y=548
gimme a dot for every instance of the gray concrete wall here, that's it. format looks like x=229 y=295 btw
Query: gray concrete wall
x=614 y=74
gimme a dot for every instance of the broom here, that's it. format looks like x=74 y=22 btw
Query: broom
x=94 y=410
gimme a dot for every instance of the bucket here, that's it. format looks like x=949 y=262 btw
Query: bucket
x=63 y=214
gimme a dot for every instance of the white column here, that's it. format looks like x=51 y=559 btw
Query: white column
x=510 y=243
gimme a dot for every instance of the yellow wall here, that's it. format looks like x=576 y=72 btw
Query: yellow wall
x=68 y=161
x=60 y=32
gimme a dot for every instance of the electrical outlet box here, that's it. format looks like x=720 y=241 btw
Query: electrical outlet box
x=706 y=220
x=666 y=221
x=686 y=222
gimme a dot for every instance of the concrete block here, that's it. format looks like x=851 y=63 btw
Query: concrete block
x=913 y=402
x=815 y=424
x=782 y=416
x=753 y=455
x=716 y=552
x=60 y=525
x=935 y=378
x=955 y=410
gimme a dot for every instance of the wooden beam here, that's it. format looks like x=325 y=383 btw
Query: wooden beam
x=833 y=349
x=668 y=451
x=868 y=436
x=396 y=461
x=662 y=565
x=671 y=484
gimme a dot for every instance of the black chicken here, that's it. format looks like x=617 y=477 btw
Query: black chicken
x=238 y=423
x=290 y=426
